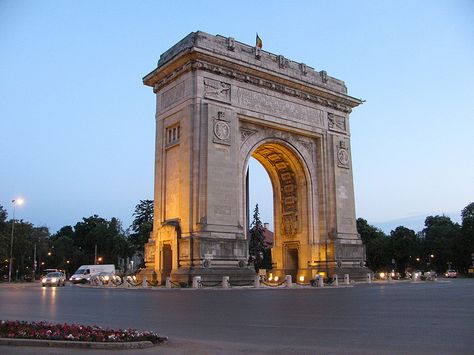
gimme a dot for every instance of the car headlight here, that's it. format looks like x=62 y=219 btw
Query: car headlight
x=43 y=280
x=54 y=279
x=106 y=277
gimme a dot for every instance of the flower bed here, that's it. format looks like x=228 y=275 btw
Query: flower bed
x=73 y=332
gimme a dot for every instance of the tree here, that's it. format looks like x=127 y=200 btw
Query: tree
x=4 y=241
x=442 y=238
x=377 y=246
x=142 y=224
x=465 y=247
x=405 y=248
x=256 y=242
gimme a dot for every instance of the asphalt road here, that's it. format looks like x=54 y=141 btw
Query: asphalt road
x=410 y=318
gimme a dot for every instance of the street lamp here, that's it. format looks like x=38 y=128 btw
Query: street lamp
x=18 y=202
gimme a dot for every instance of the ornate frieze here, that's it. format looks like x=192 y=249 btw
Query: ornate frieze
x=242 y=77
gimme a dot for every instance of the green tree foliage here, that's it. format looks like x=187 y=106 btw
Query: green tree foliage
x=4 y=241
x=465 y=247
x=75 y=246
x=24 y=239
x=377 y=244
x=142 y=224
x=405 y=247
x=442 y=238
x=256 y=242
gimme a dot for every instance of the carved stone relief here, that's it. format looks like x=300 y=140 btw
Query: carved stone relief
x=150 y=252
x=336 y=123
x=343 y=155
x=289 y=197
x=235 y=75
x=308 y=145
x=245 y=133
x=217 y=90
x=221 y=129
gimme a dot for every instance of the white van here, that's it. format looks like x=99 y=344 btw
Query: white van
x=85 y=272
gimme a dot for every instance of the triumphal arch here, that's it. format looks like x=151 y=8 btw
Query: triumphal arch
x=220 y=102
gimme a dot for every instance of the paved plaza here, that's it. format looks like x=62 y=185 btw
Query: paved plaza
x=420 y=318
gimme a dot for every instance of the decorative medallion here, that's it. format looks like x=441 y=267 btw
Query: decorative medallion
x=342 y=155
x=221 y=129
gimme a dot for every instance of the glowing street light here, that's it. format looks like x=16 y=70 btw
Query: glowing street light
x=18 y=202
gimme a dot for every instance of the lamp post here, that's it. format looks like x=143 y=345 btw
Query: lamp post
x=18 y=202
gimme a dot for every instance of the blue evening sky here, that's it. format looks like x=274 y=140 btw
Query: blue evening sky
x=77 y=124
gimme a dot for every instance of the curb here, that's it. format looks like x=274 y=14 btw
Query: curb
x=77 y=344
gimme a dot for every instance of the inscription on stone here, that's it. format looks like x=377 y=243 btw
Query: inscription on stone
x=278 y=107
x=172 y=95
x=222 y=210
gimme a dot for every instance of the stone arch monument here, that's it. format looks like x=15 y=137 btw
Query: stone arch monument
x=220 y=102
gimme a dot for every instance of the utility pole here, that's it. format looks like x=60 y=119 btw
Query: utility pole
x=34 y=263
x=95 y=255
x=18 y=201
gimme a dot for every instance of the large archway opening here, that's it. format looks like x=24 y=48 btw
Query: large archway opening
x=287 y=195
x=260 y=192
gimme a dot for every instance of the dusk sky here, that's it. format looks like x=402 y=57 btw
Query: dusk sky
x=77 y=125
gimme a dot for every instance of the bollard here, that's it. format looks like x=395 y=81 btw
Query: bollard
x=256 y=281
x=320 y=281
x=288 y=281
x=168 y=282
x=225 y=281
x=346 y=279
x=126 y=282
x=196 y=281
x=369 y=278
x=144 y=284
x=335 y=280
x=389 y=278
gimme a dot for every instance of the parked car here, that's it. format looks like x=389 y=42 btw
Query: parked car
x=430 y=274
x=54 y=279
x=451 y=273
x=47 y=271
x=395 y=275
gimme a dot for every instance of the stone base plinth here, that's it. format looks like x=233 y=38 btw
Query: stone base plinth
x=236 y=275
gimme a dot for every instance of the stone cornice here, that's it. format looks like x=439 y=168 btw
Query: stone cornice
x=199 y=59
